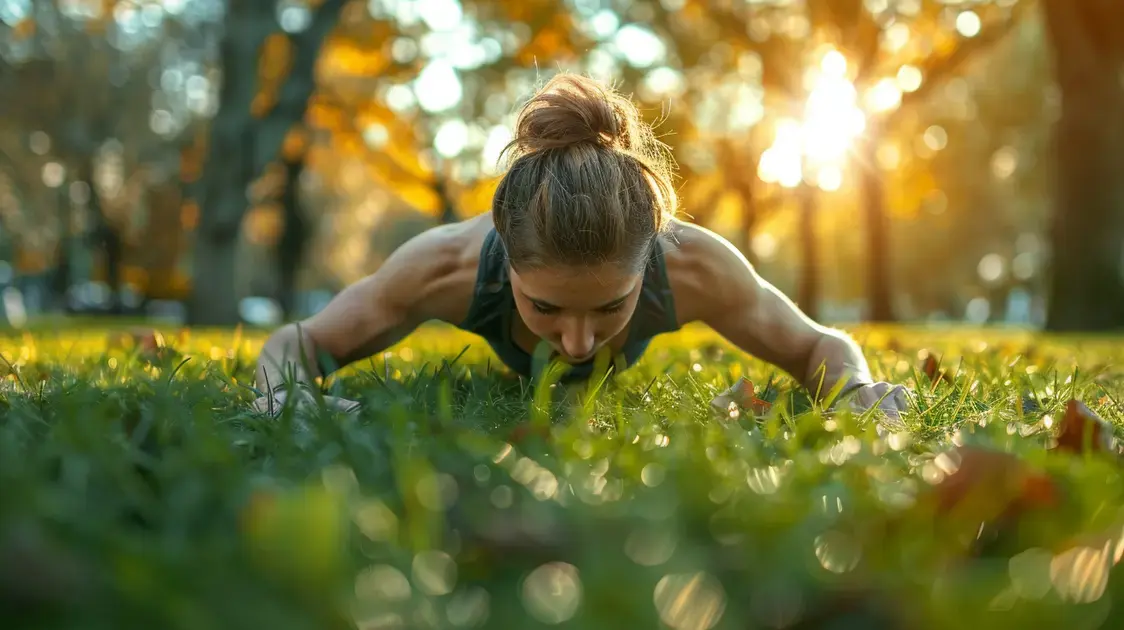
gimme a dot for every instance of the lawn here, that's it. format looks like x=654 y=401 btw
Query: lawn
x=138 y=490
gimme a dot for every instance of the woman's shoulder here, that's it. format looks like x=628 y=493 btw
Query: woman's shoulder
x=456 y=245
x=691 y=249
x=702 y=267
x=439 y=267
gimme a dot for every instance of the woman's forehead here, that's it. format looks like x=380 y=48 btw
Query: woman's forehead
x=591 y=286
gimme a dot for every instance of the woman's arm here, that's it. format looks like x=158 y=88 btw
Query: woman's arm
x=721 y=289
x=429 y=277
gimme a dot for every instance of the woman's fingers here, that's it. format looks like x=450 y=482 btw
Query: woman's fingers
x=273 y=405
x=270 y=404
x=342 y=404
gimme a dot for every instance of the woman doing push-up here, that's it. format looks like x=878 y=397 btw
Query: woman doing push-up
x=581 y=251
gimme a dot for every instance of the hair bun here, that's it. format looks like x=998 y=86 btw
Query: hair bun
x=572 y=109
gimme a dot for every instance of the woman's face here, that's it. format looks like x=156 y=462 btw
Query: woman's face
x=576 y=310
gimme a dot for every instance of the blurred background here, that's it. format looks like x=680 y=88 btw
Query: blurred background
x=211 y=162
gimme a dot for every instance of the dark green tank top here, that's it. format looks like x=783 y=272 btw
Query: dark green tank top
x=493 y=307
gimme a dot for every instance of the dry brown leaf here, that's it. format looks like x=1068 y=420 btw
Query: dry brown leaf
x=1080 y=424
x=743 y=395
x=931 y=366
x=982 y=484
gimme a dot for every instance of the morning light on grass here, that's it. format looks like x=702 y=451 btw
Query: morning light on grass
x=588 y=315
x=140 y=491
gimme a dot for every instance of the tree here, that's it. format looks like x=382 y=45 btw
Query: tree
x=971 y=167
x=247 y=134
x=1087 y=271
x=89 y=125
x=900 y=50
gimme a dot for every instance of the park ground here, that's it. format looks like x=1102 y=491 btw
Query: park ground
x=139 y=489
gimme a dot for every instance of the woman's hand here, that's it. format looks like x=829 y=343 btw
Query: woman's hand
x=889 y=398
x=273 y=403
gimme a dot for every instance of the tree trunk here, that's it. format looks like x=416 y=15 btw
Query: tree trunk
x=878 y=246
x=448 y=204
x=294 y=240
x=241 y=146
x=1087 y=271
x=106 y=235
x=228 y=169
x=216 y=258
x=61 y=277
x=810 y=272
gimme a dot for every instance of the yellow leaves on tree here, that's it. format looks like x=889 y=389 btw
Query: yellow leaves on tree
x=547 y=44
x=192 y=156
x=345 y=57
x=23 y=29
x=387 y=144
x=274 y=61
x=476 y=199
x=263 y=223
x=31 y=260
x=296 y=143
x=911 y=187
x=189 y=215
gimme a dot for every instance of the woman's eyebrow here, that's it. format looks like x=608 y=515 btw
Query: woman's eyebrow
x=536 y=300
x=613 y=303
x=546 y=304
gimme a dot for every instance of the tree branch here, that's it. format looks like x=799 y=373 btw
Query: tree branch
x=292 y=101
x=333 y=99
x=941 y=69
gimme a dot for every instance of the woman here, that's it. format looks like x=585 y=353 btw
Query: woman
x=581 y=251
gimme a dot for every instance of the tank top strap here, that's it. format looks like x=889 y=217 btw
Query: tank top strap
x=492 y=293
x=655 y=310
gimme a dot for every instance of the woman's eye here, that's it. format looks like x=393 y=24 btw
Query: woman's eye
x=612 y=309
x=545 y=310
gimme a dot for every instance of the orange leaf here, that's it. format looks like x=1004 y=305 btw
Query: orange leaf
x=525 y=431
x=1079 y=424
x=930 y=365
x=743 y=395
x=987 y=484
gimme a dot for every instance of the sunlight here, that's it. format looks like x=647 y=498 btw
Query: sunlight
x=13 y=12
x=438 y=88
x=451 y=138
x=883 y=96
x=832 y=121
x=832 y=118
x=909 y=78
x=781 y=162
x=968 y=24
x=441 y=15
x=640 y=46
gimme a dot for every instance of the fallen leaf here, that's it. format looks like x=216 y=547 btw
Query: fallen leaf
x=931 y=365
x=743 y=396
x=525 y=431
x=981 y=485
x=1080 y=424
x=145 y=339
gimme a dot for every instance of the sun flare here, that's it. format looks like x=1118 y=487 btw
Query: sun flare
x=818 y=143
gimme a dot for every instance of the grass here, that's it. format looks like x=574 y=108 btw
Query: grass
x=138 y=490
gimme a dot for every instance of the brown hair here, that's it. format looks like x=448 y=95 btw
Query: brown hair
x=589 y=182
